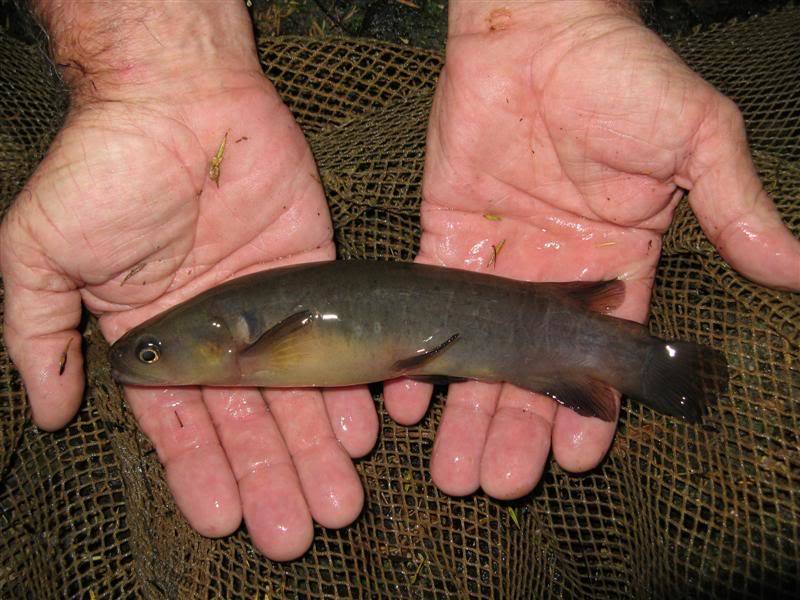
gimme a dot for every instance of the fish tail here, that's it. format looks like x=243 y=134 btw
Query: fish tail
x=680 y=378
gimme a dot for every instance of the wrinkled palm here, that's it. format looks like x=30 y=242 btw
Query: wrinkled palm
x=560 y=158
x=123 y=215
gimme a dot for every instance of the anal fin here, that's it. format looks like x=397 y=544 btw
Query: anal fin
x=437 y=379
x=423 y=356
x=589 y=397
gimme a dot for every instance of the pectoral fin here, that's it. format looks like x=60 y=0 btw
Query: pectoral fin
x=282 y=345
x=423 y=357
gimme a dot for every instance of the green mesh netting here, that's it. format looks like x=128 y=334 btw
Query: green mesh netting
x=675 y=510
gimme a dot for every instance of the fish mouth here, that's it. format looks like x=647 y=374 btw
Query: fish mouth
x=125 y=378
x=128 y=378
x=115 y=357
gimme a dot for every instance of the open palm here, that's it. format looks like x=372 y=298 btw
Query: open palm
x=123 y=215
x=556 y=156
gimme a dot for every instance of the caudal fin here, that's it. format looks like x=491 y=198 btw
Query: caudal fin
x=680 y=378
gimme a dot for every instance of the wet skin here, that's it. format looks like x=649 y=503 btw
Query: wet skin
x=575 y=128
x=355 y=322
x=567 y=120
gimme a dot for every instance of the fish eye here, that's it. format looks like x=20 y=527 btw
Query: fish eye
x=148 y=352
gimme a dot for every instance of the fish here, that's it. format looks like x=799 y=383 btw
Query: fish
x=350 y=322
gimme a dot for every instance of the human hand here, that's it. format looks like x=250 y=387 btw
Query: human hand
x=563 y=131
x=122 y=215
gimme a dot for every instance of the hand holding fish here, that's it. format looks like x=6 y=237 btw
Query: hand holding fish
x=128 y=214
x=557 y=142
x=560 y=135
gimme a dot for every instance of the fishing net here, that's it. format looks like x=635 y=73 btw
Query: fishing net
x=674 y=511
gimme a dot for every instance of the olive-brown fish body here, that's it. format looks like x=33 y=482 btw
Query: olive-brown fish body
x=351 y=322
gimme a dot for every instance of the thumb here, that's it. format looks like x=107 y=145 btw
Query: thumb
x=42 y=310
x=732 y=206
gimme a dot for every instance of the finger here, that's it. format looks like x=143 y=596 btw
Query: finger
x=353 y=418
x=273 y=506
x=517 y=444
x=329 y=480
x=407 y=400
x=732 y=206
x=40 y=336
x=198 y=473
x=580 y=443
x=457 y=451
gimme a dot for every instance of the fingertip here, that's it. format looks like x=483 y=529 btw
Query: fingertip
x=329 y=481
x=454 y=483
x=198 y=473
x=407 y=400
x=515 y=455
x=734 y=210
x=41 y=339
x=331 y=487
x=580 y=443
x=223 y=525
x=272 y=503
x=508 y=484
x=276 y=513
x=284 y=545
x=761 y=248
x=50 y=414
x=347 y=507
x=206 y=493
x=460 y=439
x=361 y=446
x=353 y=418
x=52 y=373
x=508 y=489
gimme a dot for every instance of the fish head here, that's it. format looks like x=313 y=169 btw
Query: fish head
x=178 y=347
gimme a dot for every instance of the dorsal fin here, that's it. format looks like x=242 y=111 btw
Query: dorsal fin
x=599 y=296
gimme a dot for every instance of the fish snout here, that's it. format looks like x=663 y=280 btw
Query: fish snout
x=119 y=359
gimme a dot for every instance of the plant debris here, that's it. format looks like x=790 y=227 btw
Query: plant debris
x=407 y=477
x=491 y=217
x=422 y=560
x=133 y=272
x=62 y=364
x=216 y=162
x=496 y=248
